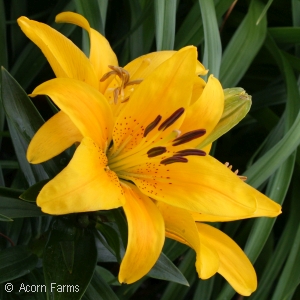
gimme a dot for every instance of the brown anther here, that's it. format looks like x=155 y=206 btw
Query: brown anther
x=137 y=81
x=125 y=81
x=152 y=125
x=174 y=159
x=244 y=178
x=156 y=151
x=236 y=172
x=188 y=152
x=189 y=136
x=125 y=100
x=106 y=75
x=171 y=120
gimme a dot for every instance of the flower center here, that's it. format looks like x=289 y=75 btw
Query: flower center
x=124 y=77
x=162 y=150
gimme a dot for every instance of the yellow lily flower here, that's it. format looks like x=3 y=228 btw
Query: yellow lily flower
x=138 y=128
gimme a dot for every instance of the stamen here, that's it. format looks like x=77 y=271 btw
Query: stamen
x=156 y=151
x=174 y=159
x=236 y=172
x=106 y=75
x=189 y=136
x=244 y=178
x=125 y=100
x=169 y=121
x=125 y=81
x=187 y=152
x=152 y=125
x=137 y=81
x=116 y=95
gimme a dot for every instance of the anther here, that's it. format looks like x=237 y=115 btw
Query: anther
x=152 y=125
x=189 y=136
x=169 y=121
x=236 y=172
x=156 y=151
x=187 y=152
x=125 y=100
x=137 y=81
x=106 y=75
x=173 y=159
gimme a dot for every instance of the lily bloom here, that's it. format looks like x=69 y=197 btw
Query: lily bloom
x=143 y=135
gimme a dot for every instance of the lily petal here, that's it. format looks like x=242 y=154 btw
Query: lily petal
x=84 y=185
x=144 y=65
x=198 y=88
x=235 y=267
x=86 y=107
x=206 y=111
x=212 y=188
x=146 y=234
x=265 y=208
x=181 y=227
x=168 y=88
x=55 y=136
x=65 y=58
x=101 y=54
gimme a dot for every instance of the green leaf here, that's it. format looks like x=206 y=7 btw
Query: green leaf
x=243 y=46
x=10 y=193
x=136 y=47
x=204 y=289
x=290 y=276
x=112 y=238
x=212 y=42
x=16 y=208
x=285 y=35
x=164 y=269
x=191 y=30
x=264 y=11
x=165 y=17
x=99 y=289
x=15 y=262
x=31 y=194
x=107 y=276
x=187 y=267
x=24 y=120
x=3 y=46
x=173 y=249
x=266 y=165
x=284 y=245
x=70 y=258
x=5 y=219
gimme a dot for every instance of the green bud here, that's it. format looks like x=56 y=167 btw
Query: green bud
x=237 y=103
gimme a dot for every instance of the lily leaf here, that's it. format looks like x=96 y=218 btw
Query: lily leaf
x=31 y=194
x=24 y=120
x=16 y=262
x=99 y=289
x=16 y=208
x=166 y=270
x=70 y=258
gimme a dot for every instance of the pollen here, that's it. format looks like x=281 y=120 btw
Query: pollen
x=124 y=76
